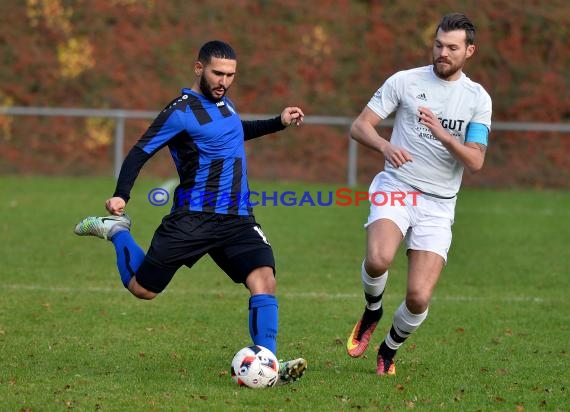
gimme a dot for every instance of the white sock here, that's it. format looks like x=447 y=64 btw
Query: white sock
x=404 y=323
x=373 y=288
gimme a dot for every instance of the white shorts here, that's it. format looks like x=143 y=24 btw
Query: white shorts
x=425 y=221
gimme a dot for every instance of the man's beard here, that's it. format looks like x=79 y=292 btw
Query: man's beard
x=446 y=73
x=207 y=92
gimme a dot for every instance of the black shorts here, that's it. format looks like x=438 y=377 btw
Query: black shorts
x=235 y=243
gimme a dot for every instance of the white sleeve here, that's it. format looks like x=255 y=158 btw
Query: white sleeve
x=484 y=110
x=386 y=99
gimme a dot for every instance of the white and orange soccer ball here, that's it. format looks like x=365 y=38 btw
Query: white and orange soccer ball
x=255 y=367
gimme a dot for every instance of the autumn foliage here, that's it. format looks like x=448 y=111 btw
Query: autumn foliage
x=326 y=56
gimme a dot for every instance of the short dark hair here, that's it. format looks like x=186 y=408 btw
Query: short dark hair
x=216 y=48
x=458 y=21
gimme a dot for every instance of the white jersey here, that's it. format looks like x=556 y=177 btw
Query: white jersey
x=456 y=103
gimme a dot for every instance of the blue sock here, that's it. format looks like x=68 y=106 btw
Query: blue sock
x=263 y=321
x=129 y=255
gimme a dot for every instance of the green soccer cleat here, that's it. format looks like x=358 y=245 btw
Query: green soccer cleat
x=103 y=227
x=290 y=371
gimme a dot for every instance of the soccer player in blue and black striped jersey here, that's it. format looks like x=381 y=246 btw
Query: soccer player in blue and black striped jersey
x=211 y=212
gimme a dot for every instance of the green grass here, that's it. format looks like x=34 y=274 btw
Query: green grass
x=71 y=338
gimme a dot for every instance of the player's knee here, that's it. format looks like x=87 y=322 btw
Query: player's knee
x=377 y=264
x=417 y=302
x=146 y=295
x=261 y=280
x=141 y=292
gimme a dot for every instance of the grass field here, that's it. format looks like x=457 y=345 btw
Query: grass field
x=71 y=338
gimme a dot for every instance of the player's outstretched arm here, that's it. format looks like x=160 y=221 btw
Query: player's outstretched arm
x=253 y=129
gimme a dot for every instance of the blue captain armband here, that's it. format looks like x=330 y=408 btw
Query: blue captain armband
x=477 y=133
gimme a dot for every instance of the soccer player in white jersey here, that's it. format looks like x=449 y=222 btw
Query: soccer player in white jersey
x=441 y=127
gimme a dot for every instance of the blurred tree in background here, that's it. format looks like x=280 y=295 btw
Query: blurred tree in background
x=327 y=56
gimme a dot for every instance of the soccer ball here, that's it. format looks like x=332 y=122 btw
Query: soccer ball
x=255 y=367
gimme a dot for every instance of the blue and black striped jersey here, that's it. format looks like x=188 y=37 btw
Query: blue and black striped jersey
x=206 y=142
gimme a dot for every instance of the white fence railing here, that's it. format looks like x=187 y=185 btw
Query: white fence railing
x=122 y=115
